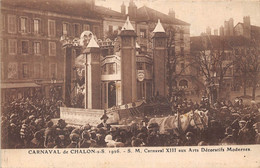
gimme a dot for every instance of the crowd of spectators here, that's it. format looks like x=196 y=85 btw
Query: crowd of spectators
x=28 y=124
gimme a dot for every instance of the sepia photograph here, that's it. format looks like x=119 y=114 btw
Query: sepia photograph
x=103 y=77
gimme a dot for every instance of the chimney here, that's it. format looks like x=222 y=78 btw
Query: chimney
x=123 y=9
x=247 y=27
x=132 y=9
x=221 y=31
x=171 y=13
x=90 y=4
x=226 y=28
x=208 y=30
x=231 y=26
x=216 y=32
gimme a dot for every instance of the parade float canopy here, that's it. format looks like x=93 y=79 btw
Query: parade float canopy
x=128 y=25
x=159 y=28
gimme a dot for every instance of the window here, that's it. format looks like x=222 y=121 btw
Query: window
x=76 y=30
x=111 y=68
x=36 y=26
x=12 y=71
x=25 y=47
x=65 y=28
x=148 y=67
x=2 y=70
x=37 y=70
x=183 y=84
x=96 y=31
x=11 y=24
x=25 y=70
x=86 y=27
x=51 y=28
x=182 y=35
x=52 y=49
x=143 y=33
x=2 y=22
x=36 y=48
x=104 y=69
x=110 y=29
x=1 y=46
x=140 y=66
x=182 y=66
x=53 y=70
x=182 y=51
x=12 y=46
x=23 y=24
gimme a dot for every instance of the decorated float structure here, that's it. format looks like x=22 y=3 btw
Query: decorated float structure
x=113 y=76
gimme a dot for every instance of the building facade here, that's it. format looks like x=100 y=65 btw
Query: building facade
x=32 y=59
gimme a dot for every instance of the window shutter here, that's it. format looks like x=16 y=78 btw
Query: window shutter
x=19 y=49
x=30 y=47
x=40 y=26
x=72 y=33
x=19 y=24
x=70 y=29
x=80 y=30
x=28 y=25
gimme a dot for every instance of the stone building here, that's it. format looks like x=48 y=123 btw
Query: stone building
x=246 y=29
x=225 y=49
x=178 y=33
x=32 y=59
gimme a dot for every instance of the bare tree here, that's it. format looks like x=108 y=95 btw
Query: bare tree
x=173 y=59
x=212 y=62
x=247 y=60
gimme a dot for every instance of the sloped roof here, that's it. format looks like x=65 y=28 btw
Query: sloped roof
x=255 y=30
x=106 y=12
x=76 y=7
x=148 y=14
x=199 y=43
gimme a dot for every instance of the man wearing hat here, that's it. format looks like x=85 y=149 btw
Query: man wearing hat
x=85 y=141
x=74 y=138
x=104 y=119
x=229 y=139
x=243 y=134
x=257 y=130
x=49 y=135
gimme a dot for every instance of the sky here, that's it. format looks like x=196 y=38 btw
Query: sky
x=201 y=13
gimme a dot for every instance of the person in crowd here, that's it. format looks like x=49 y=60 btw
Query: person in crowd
x=229 y=139
x=27 y=123
x=243 y=134
x=85 y=141
x=256 y=126
x=74 y=138
x=190 y=139
x=49 y=135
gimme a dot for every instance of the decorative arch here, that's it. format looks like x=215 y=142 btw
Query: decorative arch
x=183 y=84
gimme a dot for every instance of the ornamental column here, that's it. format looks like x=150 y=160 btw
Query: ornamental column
x=92 y=76
x=159 y=59
x=128 y=63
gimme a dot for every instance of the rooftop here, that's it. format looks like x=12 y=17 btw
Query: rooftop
x=76 y=7
x=148 y=14
x=200 y=43
x=107 y=12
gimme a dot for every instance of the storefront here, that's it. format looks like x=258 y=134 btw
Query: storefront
x=12 y=91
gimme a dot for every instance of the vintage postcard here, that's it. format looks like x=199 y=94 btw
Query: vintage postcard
x=130 y=83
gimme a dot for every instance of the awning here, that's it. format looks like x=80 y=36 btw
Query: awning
x=18 y=85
